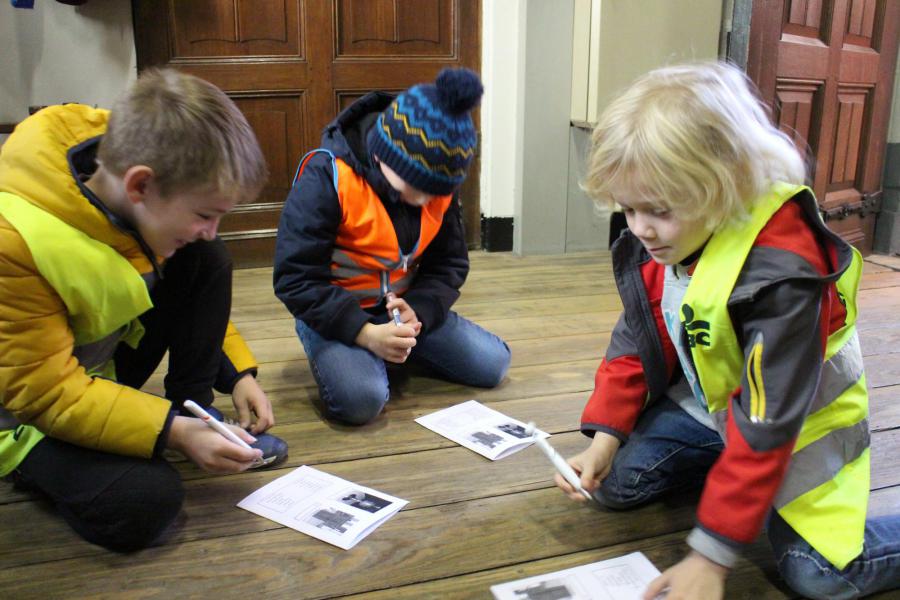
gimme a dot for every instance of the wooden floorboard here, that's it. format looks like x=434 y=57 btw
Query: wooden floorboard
x=470 y=522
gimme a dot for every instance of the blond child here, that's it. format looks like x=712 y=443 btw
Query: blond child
x=109 y=259
x=736 y=364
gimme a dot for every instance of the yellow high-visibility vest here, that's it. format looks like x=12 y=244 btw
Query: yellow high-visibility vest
x=826 y=488
x=102 y=291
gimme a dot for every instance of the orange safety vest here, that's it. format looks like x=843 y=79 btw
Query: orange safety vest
x=367 y=260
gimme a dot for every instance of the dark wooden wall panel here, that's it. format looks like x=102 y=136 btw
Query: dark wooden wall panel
x=292 y=65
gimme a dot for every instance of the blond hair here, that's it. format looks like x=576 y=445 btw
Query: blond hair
x=189 y=132
x=693 y=139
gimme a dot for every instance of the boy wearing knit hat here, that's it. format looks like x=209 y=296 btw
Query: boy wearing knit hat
x=371 y=253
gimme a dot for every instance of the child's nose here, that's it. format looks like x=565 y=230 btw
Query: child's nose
x=208 y=233
x=642 y=227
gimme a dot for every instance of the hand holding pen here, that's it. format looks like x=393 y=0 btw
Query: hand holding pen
x=402 y=313
x=207 y=457
x=562 y=467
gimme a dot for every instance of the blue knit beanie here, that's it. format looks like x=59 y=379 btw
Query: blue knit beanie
x=426 y=135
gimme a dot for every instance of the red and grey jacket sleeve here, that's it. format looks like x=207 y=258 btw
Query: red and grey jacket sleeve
x=306 y=235
x=620 y=388
x=640 y=359
x=783 y=307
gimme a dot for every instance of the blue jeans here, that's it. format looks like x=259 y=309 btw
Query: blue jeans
x=670 y=451
x=808 y=573
x=353 y=382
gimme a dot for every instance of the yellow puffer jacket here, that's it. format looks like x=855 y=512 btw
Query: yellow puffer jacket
x=41 y=382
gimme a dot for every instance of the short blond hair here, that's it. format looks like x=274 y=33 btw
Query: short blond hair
x=693 y=139
x=189 y=132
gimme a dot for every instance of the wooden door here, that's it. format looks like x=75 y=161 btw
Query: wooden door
x=292 y=65
x=827 y=68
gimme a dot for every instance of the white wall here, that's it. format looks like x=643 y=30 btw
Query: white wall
x=502 y=69
x=58 y=53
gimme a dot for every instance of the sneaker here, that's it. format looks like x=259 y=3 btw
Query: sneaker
x=274 y=449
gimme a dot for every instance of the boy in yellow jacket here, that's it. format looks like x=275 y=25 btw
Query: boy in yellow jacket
x=108 y=259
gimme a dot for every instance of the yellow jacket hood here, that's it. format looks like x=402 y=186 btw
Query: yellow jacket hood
x=34 y=164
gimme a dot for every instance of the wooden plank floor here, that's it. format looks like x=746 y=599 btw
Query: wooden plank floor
x=470 y=522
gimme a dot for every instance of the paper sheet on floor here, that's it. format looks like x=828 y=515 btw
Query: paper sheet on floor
x=326 y=507
x=479 y=428
x=622 y=578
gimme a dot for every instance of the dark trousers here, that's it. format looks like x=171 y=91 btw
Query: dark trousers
x=121 y=502
x=191 y=307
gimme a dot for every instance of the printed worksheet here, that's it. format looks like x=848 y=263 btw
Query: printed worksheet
x=326 y=507
x=479 y=428
x=622 y=578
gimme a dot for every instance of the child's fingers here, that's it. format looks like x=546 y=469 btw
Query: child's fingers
x=262 y=423
x=588 y=479
x=656 y=587
x=398 y=303
x=567 y=489
x=405 y=330
x=243 y=415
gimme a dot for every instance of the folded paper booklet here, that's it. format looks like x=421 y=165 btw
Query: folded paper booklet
x=482 y=429
x=622 y=578
x=324 y=506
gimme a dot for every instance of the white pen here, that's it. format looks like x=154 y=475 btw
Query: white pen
x=217 y=425
x=395 y=312
x=564 y=468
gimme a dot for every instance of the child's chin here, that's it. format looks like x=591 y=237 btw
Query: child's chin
x=167 y=252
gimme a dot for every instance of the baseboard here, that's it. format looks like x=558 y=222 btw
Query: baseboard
x=496 y=234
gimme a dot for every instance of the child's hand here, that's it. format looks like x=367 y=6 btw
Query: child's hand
x=209 y=449
x=249 y=399
x=694 y=577
x=389 y=342
x=592 y=465
x=407 y=314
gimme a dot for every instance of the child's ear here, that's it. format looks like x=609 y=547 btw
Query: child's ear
x=137 y=181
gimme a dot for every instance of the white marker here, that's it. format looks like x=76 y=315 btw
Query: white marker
x=218 y=426
x=558 y=461
x=395 y=312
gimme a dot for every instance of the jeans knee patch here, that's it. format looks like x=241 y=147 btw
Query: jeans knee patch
x=612 y=494
x=813 y=579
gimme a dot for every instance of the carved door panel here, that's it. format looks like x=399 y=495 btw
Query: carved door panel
x=827 y=68
x=292 y=65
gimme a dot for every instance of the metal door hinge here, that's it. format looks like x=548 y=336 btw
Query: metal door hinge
x=868 y=204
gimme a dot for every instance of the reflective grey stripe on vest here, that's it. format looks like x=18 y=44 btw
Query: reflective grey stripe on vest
x=399 y=286
x=839 y=373
x=820 y=461
x=348 y=269
x=91 y=356
x=96 y=354
x=365 y=293
x=342 y=259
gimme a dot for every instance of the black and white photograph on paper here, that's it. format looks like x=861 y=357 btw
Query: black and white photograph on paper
x=363 y=501
x=481 y=429
x=323 y=506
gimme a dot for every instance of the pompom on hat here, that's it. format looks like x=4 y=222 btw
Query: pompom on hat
x=426 y=135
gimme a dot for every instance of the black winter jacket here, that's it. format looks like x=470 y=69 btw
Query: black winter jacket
x=309 y=224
